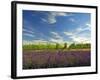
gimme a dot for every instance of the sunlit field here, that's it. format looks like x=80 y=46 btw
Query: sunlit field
x=56 y=39
x=55 y=56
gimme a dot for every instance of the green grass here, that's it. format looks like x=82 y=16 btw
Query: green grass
x=41 y=47
x=55 y=46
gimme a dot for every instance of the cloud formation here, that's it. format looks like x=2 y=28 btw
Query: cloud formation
x=72 y=20
x=28 y=35
x=51 y=18
x=58 y=27
x=56 y=37
x=79 y=35
x=68 y=33
x=28 y=31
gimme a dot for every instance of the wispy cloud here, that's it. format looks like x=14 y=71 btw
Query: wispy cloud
x=79 y=34
x=72 y=20
x=44 y=20
x=87 y=24
x=60 y=14
x=56 y=40
x=69 y=29
x=38 y=41
x=83 y=28
x=28 y=31
x=79 y=39
x=51 y=18
x=28 y=34
x=68 y=33
x=55 y=37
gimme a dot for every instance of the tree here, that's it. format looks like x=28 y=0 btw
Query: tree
x=65 y=46
x=57 y=45
x=72 y=46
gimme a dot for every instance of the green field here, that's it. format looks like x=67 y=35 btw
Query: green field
x=55 y=46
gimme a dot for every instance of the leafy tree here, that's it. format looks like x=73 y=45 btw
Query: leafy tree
x=72 y=46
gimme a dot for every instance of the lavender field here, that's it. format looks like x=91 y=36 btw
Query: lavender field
x=36 y=59
x=56 y=39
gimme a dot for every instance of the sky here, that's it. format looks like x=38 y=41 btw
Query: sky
x=60 y=27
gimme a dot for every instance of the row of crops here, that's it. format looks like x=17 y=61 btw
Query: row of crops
x=53 y=59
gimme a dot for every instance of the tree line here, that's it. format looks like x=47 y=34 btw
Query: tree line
x=57 y=46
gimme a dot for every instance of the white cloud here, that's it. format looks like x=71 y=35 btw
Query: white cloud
x=83 y=28
x=80 y=29
x=56 y=40
x=44 y=20
x=68 y=33
x=26 y=42
x=72 y=20
x=87 y=24
x=78 y=35
x=79 y=39
x=28 y=31
x=28 y=34
x=51 y=18
x=59 y=14
x=38 y=41
x=56 y=35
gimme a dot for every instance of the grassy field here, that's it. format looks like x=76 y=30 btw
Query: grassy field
x=55 y=46
x=54 y=56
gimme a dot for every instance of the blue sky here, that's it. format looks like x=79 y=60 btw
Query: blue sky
x=50 y=26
